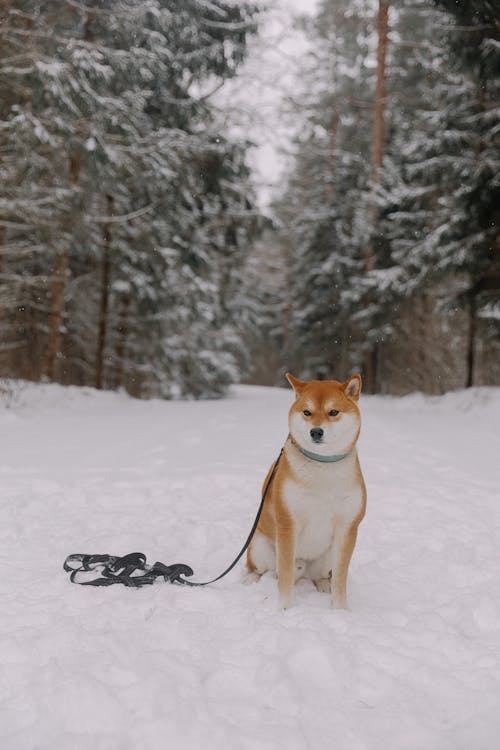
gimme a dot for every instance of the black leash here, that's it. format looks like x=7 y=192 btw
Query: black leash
x=132 y=570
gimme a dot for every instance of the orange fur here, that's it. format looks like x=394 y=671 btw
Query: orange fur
x=313 y=509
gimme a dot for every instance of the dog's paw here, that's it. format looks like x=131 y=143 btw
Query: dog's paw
x=339 y=602
x=324 y=585
x=287 y=600
x=250 y=577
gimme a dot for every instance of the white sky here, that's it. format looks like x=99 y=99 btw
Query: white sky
x=300 y=6
x=255 y=98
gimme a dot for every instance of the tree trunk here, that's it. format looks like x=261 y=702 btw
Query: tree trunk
x=371 y=370
x=56 y=314
x=57 y=293
x=332 y=156
x=373 y=359
x=62 y=263
x=378 y=119
x=121 y=346
x=104 y=301
x=2 y=243
x=2 y=309
x=471 y=343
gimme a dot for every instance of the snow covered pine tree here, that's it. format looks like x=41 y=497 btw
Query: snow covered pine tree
x=135 y=205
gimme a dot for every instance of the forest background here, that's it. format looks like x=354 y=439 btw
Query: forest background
x=135 y=248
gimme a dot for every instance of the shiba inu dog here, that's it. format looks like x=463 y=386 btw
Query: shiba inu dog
x=317 y=497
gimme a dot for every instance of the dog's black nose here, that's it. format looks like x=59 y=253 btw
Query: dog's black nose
x=317 y=434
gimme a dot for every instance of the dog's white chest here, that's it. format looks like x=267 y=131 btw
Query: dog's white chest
x=317 y=503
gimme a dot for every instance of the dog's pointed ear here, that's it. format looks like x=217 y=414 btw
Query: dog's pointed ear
x=352 y=387
x=296 y=384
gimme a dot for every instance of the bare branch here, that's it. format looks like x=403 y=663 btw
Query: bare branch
x=122 y=218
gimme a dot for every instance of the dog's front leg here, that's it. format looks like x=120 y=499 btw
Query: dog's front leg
x=344 y=541
x=285 y=543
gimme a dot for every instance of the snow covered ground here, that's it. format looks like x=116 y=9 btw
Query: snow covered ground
x=413 y=665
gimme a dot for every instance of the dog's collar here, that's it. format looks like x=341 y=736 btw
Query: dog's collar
x=318 y=456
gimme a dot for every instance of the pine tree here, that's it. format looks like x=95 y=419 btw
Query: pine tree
x=148 y=208
x=370 y=238
x=472 y=240
x=31 y=205
x=324 y=211
x=442 y=204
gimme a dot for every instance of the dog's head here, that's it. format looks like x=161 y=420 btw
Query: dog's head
x=324 y=417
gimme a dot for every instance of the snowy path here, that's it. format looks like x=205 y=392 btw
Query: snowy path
x=414 y=664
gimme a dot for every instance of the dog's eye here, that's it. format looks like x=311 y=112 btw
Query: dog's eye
x=306 y=413
x=333 y=412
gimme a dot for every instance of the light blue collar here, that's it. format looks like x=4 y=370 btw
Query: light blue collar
x=318 y=456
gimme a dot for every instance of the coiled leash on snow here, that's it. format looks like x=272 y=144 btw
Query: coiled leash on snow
x=132 y=571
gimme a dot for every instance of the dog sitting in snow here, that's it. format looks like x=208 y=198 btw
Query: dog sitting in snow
x=317 y=497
